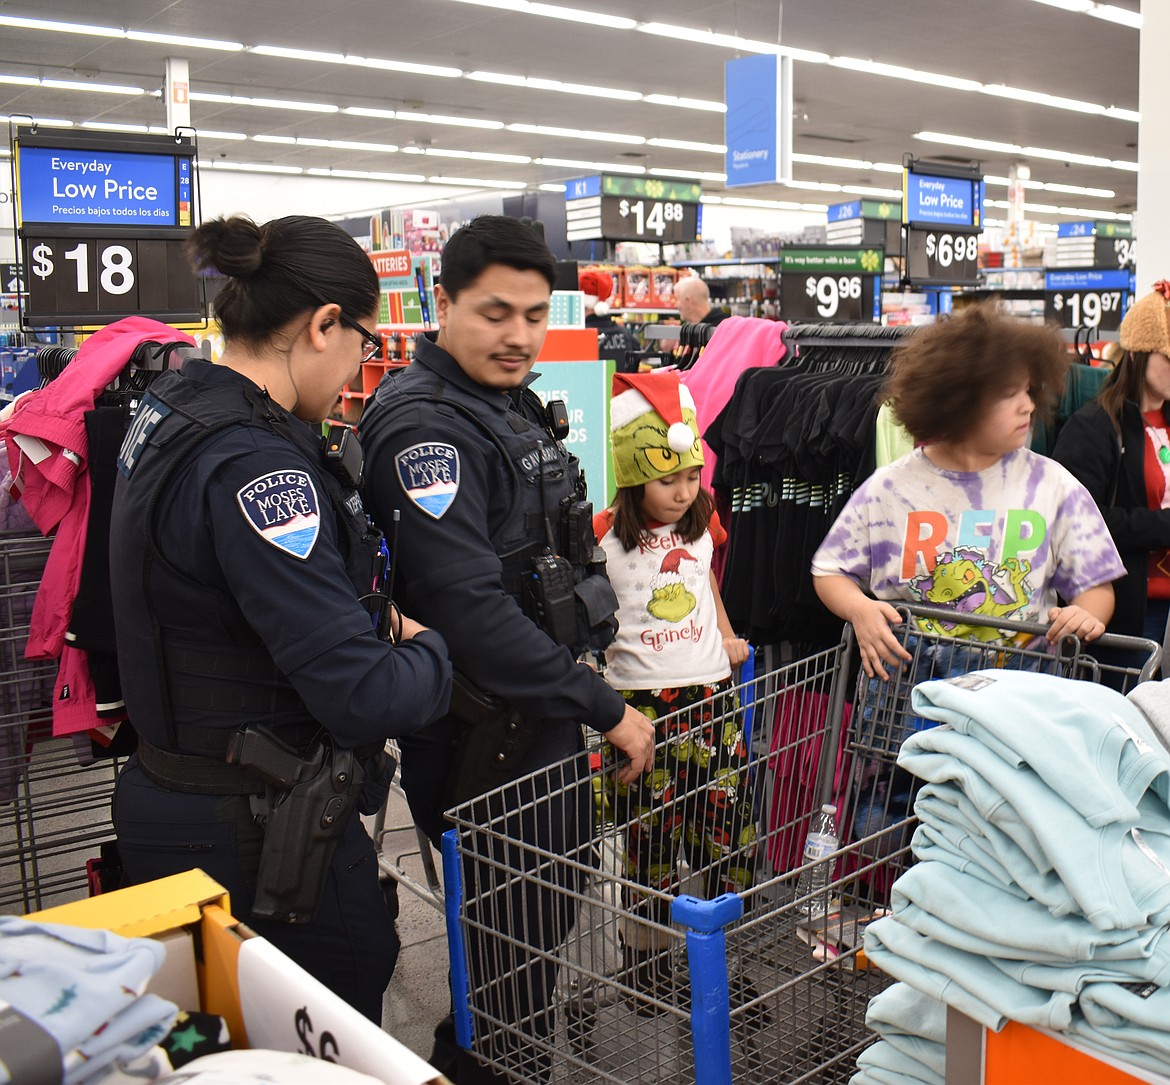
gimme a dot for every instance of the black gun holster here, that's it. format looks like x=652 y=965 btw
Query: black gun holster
x=494 y=739
x=307 y=803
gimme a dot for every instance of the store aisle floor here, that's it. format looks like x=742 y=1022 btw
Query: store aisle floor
x=418 y=995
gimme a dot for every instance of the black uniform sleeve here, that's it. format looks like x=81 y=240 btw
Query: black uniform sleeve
x=456 y=583
x=306 y=612
x=1088 y=447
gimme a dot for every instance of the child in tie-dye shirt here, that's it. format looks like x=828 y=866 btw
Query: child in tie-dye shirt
x=971 y=520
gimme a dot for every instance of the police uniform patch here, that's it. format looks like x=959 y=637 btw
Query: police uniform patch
x=281 y=507
x=151 y=411
x=429 y=474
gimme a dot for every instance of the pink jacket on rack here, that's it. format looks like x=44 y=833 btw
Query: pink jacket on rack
x=48 y=456
x=738 y=343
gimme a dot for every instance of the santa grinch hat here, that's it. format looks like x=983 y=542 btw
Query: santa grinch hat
x=653 y=428
x=1146 y=326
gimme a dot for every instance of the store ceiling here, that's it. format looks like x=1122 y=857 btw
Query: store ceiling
x=838 y=112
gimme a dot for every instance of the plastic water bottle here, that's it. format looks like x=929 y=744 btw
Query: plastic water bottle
x=821 y=841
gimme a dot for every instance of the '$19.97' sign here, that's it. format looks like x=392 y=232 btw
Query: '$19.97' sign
x=89 y=278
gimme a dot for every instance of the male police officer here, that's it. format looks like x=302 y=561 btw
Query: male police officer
x=459 y=445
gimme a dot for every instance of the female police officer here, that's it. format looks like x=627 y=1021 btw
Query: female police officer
x=260 y=692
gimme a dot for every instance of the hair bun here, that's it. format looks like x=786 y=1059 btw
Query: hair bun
x=233 y=246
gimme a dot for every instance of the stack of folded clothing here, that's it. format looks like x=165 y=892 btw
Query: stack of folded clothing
x=912 y=1048
x=1042 y=891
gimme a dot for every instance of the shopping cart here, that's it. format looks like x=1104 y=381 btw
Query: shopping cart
x=764 y=985
x=54 y=811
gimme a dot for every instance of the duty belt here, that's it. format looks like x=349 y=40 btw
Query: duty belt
x=196 y=775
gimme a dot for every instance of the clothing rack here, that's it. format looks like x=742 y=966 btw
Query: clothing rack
x=844 y=335
x=688 y=335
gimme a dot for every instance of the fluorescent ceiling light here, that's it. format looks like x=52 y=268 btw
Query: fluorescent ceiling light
x=685 y=103
x=555 y=84
x=45 y=122
x=184 y=40
x=575 y=15
x=20 y=80
x=697 y=175
x=896 y=71
x=595 y=167
x=577 y=133
x=1109 y=12
x=297 y=54
x=435 y=118
x=707 y=197
x=65 y=28
x=265 y=137
x=111 y=126
x=264 y=103
x=367 y=111
x=688 y=145
x=366 y=175
x=90 y=88
x=967 y=141
x=471 y=156
x=815 y=186
x=475 y=182
x=730 y=41
x=207 y=133
x=1117 y=113
x=868 y=190
x=1038 y=98
x=380 y=63
x=1053 y=186
x=347 y=144
x=553 y=187
x=780 y=205
x=252 y=167
x=1066 y=156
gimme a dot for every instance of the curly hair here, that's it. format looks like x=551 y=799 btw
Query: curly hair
x=947 y=374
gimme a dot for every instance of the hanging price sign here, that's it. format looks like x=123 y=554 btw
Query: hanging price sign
x=829 y=283
x=1086 y=299
x=630 y=218
x=99 y=280
x=1111 y=252
x=936 y=256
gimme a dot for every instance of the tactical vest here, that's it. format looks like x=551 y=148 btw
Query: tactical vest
x=542 y=480
x=177 y=674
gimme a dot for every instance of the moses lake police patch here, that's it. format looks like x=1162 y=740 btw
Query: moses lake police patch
x=282 y=509
x=429 y=473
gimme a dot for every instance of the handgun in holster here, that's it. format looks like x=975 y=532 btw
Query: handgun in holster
x=494 y=740
x=308 y=800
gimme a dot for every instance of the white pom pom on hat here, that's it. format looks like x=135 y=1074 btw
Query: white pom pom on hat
x=680 y=437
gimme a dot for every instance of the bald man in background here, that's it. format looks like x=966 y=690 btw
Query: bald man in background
x=693 y=301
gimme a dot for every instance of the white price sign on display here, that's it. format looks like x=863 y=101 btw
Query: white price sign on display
x=944 y=257
x=651 y=216
x=1100 y=309
x=950 y=249
x=830 y=290
x=116 y=274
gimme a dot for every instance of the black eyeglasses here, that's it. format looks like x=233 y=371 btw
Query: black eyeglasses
x=373 y=342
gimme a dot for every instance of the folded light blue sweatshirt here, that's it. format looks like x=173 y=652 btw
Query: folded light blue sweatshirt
x=1086 y=741
x=948 y=820
x=976 y=917
x=1115 y=882
x=966 y=981
x=883 y=1058
x=1120 y=1020
x=912 y=1023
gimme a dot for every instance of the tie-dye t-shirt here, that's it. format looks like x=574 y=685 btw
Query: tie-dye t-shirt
x=1000 y=542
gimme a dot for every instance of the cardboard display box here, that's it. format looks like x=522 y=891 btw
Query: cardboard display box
x=267 y=1000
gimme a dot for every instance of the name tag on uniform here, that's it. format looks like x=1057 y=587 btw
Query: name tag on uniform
x=429 y=474
x=281 y=507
